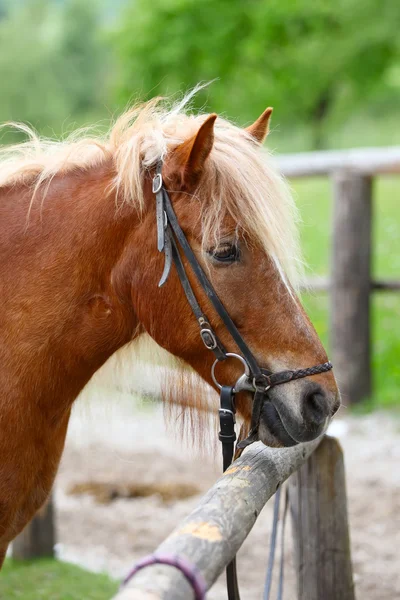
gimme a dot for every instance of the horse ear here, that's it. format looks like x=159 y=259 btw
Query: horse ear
x=260 y=128
x=193 y=153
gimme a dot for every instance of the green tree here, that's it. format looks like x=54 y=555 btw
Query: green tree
x=28 y=84
x=303 y=57
x=3 y=9
x=81 y=56
x=51 y=63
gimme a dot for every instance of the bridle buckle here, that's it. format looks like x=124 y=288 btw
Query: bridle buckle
x=207 y=335
x=224 y=412
x=157 y=183
x=209 y=339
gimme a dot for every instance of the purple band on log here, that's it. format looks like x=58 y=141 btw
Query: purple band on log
x=191 y=572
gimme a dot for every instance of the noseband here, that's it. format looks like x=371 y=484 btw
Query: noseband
x=255 y=379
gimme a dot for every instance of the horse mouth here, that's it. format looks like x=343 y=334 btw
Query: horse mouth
x=271 y=419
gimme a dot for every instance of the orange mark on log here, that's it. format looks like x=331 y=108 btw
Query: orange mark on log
x=203 y=530
x=235 y=469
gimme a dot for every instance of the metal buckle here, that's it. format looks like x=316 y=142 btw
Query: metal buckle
x=226 y=411
x=209 y=339
x=157 y=183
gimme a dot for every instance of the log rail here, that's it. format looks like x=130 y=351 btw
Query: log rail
x=364 y=161
x=212 y=534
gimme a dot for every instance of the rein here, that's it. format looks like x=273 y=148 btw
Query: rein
x=255 y=379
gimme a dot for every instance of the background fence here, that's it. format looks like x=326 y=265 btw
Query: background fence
x=350 y=283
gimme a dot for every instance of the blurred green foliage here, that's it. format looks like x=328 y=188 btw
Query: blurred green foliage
x=309 y=59
x=321 y=64
x=52 y=61
x=314 y=199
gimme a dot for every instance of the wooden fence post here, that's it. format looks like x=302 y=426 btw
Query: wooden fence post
x=320 y=526
x=351 y=285
x=38 y=537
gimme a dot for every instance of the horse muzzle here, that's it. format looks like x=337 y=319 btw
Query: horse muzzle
x=299 y=416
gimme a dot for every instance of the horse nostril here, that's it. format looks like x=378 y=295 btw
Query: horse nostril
x=336 y=405
x=315 y=409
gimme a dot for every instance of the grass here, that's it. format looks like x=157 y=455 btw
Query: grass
x=314 y=200
x=49 y=579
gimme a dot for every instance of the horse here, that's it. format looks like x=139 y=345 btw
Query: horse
x=79 y=269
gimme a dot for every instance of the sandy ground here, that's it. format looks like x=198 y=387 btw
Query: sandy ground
x=126 y=443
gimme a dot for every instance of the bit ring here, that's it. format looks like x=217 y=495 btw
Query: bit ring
x=230 y=355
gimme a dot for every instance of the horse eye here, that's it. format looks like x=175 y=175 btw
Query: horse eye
x=226 y=253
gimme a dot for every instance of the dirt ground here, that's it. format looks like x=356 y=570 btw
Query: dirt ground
x=125 y=443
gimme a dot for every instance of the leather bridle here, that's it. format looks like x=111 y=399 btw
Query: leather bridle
x=255 y=379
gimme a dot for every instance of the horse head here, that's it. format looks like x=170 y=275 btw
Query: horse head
x=239 y=219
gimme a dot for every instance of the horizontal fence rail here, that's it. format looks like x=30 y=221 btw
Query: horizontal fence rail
x=212 y=534
x=323 y=284
x=365 y=161
x=350 y=283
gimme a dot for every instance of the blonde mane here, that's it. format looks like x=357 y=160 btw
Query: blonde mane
x=241 y=178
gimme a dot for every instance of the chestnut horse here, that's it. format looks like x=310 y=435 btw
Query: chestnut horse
x=79 y=269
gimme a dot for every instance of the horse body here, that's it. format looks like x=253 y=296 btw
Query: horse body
x=78 y=280
x=65 y=310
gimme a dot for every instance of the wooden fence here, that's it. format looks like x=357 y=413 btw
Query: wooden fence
x=350 y=284
x=212 y=534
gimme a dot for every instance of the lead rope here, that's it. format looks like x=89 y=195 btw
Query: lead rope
x=274 y=534
x=281 y=570
x=227 y=437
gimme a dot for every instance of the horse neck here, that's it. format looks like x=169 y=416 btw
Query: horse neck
x=64 y=288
